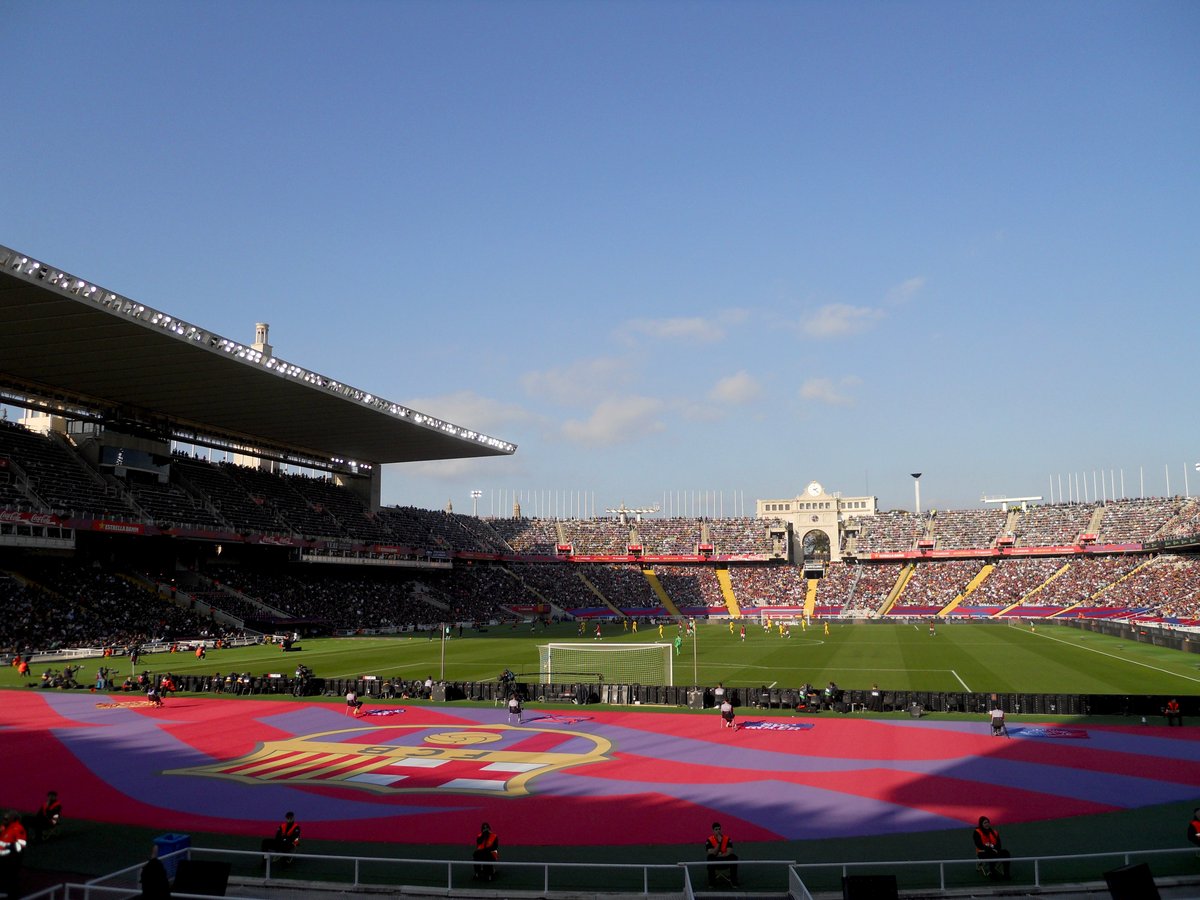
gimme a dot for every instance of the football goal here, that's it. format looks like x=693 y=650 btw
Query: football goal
x=611 y=663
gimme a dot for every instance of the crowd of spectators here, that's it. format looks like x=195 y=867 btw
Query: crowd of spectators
x=1169 y=585
x=57 y=604
x=1052 y=526
x=529 y=537
x=1129 y=521
x=1186 y=522
x=557 y=583
x=937 y=583
x=596 y=537
x=772 y=584
x=967 y=529
x=669 y=537
x=895 y=530
x=1013 y=579
x=623 y=585
x=744 y=536
x=859 y=587
x=1084 y=579
x=691 y=585
x=365 y=600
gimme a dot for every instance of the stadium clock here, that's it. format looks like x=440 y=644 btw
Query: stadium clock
x=815 y=489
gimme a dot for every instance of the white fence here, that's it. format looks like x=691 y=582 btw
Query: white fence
x=254 y=875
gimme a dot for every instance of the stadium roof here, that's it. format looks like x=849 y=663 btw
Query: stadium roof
x=66 y=340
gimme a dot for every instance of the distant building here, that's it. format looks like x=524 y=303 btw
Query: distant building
x=816 y=519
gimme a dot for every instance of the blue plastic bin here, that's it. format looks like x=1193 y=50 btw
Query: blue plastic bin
x=171 y=843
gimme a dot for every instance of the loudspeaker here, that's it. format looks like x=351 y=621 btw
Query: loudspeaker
x=695 y=699
x=439 y=693
x=869 y=887
x=202 y=876
x=1131 y=883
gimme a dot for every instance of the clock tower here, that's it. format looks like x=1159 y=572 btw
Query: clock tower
x=816 y=518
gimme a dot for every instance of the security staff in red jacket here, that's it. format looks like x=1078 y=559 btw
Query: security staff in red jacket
x=487 y=851
x=1194 y=828
x=1173 y=713
x=12 y=849
x=719 y=849
x=46 y=819
x=988 y=847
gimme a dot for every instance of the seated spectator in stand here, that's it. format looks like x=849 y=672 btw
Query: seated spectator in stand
x=988 y=847
x=1194 y=828
x=719 y=849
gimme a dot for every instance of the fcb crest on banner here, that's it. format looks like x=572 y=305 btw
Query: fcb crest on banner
x=496 y=760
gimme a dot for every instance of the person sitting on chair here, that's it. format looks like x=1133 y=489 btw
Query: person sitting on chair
x=727 y=715
x=287 y=836
x=997 y=717
x=1173 y=713
x=43 y=822
x=487 y=851
x=514 y=708
x=988 y=847
x=719 y=849
x=352 y=701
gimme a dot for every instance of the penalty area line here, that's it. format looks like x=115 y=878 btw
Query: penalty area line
x=960 y=681
x=1123 y=659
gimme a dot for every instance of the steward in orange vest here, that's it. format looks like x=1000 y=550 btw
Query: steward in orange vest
x=987 y=847
x=487 y=850
x=719 y=849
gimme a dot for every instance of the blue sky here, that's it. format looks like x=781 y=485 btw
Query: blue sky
x=671 y=250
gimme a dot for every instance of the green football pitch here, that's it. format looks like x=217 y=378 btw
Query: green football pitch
x=973 y=657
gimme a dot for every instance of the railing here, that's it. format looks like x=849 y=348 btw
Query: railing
x=255 y=875
x=939 y=875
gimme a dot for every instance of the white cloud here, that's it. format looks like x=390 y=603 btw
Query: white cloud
x=740 y=387
x=905 y=290
x=585 y=381
x=616 y=421
x=829 y=391
x=840 y=319
x=697 y=329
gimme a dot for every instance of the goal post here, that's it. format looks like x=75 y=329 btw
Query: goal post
x=611 y=663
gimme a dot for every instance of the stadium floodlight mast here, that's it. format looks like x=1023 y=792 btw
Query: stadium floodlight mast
x=475 y=495
x=916 y=477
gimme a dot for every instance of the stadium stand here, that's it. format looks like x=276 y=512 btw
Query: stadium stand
x=891 y=531
x=775 y=584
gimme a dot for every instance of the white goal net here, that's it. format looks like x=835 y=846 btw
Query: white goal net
x=610 y=663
